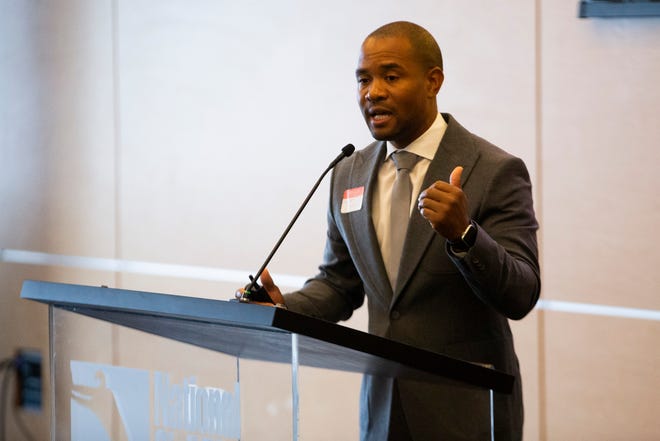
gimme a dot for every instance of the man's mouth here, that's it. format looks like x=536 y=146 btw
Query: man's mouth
x=379 y=116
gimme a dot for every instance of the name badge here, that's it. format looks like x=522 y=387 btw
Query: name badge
x=352 y=200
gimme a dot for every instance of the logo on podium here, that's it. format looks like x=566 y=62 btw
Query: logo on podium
x=118 y=403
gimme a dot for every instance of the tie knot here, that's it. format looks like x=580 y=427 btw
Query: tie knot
x=404 y=160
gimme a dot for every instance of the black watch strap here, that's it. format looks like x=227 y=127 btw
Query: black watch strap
x=467 y=239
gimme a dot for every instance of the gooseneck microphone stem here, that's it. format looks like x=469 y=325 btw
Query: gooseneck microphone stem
x=345 y=152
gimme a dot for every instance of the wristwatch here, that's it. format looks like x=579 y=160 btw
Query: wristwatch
x=467 y=240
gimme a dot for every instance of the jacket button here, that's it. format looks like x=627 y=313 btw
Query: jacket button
x=395 y=315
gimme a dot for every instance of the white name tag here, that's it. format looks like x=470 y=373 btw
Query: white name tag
x=352 y=200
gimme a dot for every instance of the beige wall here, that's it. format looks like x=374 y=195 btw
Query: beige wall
x=162 y=131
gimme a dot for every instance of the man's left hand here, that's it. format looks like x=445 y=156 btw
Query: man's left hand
x=445 y=206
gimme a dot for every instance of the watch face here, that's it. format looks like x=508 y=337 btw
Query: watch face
x=470 y=235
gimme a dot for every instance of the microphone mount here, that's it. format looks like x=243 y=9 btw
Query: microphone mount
x=253 y=291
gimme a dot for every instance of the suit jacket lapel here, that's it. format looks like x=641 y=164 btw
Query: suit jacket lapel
x=455 y=149
x=368 y=258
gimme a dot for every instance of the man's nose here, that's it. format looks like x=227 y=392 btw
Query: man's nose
x=376 y=91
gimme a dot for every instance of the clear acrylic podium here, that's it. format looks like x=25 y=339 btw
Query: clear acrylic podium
x=130 y=365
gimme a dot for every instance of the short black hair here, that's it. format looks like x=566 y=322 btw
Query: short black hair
x=422 y=41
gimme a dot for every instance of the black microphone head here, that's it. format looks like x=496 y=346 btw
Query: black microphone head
x=348 y=150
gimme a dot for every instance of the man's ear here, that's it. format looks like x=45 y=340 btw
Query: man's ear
x=435 y=77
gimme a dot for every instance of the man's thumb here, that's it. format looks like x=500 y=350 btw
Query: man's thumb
x=267 y=280
x=269 y=285
x=455 y=177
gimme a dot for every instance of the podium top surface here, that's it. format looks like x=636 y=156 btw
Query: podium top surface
x=263 y=333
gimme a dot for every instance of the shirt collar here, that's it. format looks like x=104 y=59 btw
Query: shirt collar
x=427 y=144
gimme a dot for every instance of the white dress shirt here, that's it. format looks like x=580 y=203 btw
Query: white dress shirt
x=425 y=147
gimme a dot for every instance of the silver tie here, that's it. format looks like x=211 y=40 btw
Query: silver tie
x=400 y=210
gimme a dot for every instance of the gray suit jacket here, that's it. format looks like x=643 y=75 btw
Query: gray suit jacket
x=454 y=305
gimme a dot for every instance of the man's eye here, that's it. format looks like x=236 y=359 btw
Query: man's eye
x=363 y=81
x=391 y=78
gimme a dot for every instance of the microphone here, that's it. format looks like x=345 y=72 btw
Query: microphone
x=253 y=291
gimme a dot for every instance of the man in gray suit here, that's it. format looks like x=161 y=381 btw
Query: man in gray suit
x=469 y=261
